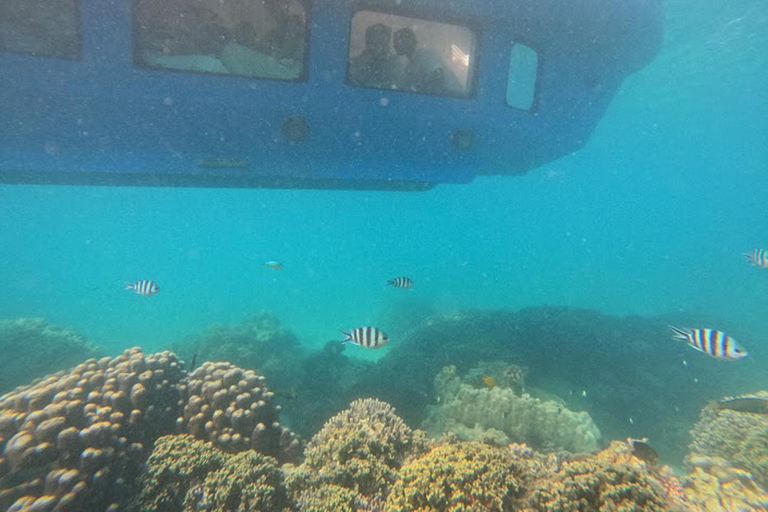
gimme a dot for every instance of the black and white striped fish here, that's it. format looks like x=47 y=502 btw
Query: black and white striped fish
x=368 y=337
x=145 y=287
x=401 y=282
x=713 y=343
x=758 y=257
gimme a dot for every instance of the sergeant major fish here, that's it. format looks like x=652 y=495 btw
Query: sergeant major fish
x=714 y=343
x=758 y=257
x=401 y=282
x=145 y=287
x=368 y=337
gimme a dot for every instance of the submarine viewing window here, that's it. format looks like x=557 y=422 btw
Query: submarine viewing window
x=403 y=53
x=257 y=39
x=43 y=28
x=523 y=76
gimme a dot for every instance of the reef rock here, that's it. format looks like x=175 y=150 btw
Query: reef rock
x=473 y=413
x=34 y=348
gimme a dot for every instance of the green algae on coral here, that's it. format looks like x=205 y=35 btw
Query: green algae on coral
x=456 y=478
x=187 y=475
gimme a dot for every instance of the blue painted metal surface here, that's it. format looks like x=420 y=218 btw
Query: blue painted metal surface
x=103 y=120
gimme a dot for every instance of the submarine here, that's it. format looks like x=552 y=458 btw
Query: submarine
x=316 y=94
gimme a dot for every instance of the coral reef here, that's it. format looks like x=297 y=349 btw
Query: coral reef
x=76 y=440
x=187 y=475
x=612 y=480
x=714 y=485
x=740 y=437
x=72 y=440
x=259 y=343
x=456 y=478
x=628 y=366
x=232 y=408
x=500 y=414
x=38 y=349
x=360 y=449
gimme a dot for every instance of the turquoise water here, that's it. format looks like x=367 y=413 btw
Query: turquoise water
x=650 y=217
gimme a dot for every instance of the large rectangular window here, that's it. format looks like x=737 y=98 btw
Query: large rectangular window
x=48 y=28
x=252 y=38
x=390 y=51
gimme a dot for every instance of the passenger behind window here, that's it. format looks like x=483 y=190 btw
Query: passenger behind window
x=374 y=67
x=421 y=69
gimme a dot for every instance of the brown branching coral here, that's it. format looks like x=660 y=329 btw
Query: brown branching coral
x=71 y=440
x=360 y=449
x=76 y=440
x=460 y=477
x=740 y=437
x=233 y=408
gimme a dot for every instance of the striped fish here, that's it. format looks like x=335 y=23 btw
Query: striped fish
x=401 y=282
x=758 y=257
x=368 y=337
x=145 y=287
x=713 y=343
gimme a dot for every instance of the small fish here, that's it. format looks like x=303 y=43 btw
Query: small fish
x=368 y=337
x=274 y=265
x=751 y=404
x=584 y=393
x=401 y=282
x=685 y=363
x=758 y=257
x=714 y=343
x=489 y=381
x=194 y=360
x=631 y=421
x=145 y=287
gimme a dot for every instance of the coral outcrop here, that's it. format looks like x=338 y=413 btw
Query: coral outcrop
x=259 y=343
x=72 y=440
x=737 y=436
x=76 y=440
x=612 y=480
x=187 y=475
x=456 y=478
x=38 y=349
x=501 y=414
x=233 y=409
x=360 y=449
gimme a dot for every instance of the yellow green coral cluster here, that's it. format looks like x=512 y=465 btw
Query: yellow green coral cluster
x=714 y=485
x=458 y=477
x=187 y=475
x=360 y=449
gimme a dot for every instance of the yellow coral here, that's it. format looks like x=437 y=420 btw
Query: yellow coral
x=456 y=478
x=186 y=475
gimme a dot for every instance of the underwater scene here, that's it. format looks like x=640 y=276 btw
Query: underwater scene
x=589 y=334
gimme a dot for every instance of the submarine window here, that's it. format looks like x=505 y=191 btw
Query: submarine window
x=40 y=27
x=523 y=74
x=389 y=51
x=258 y=39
